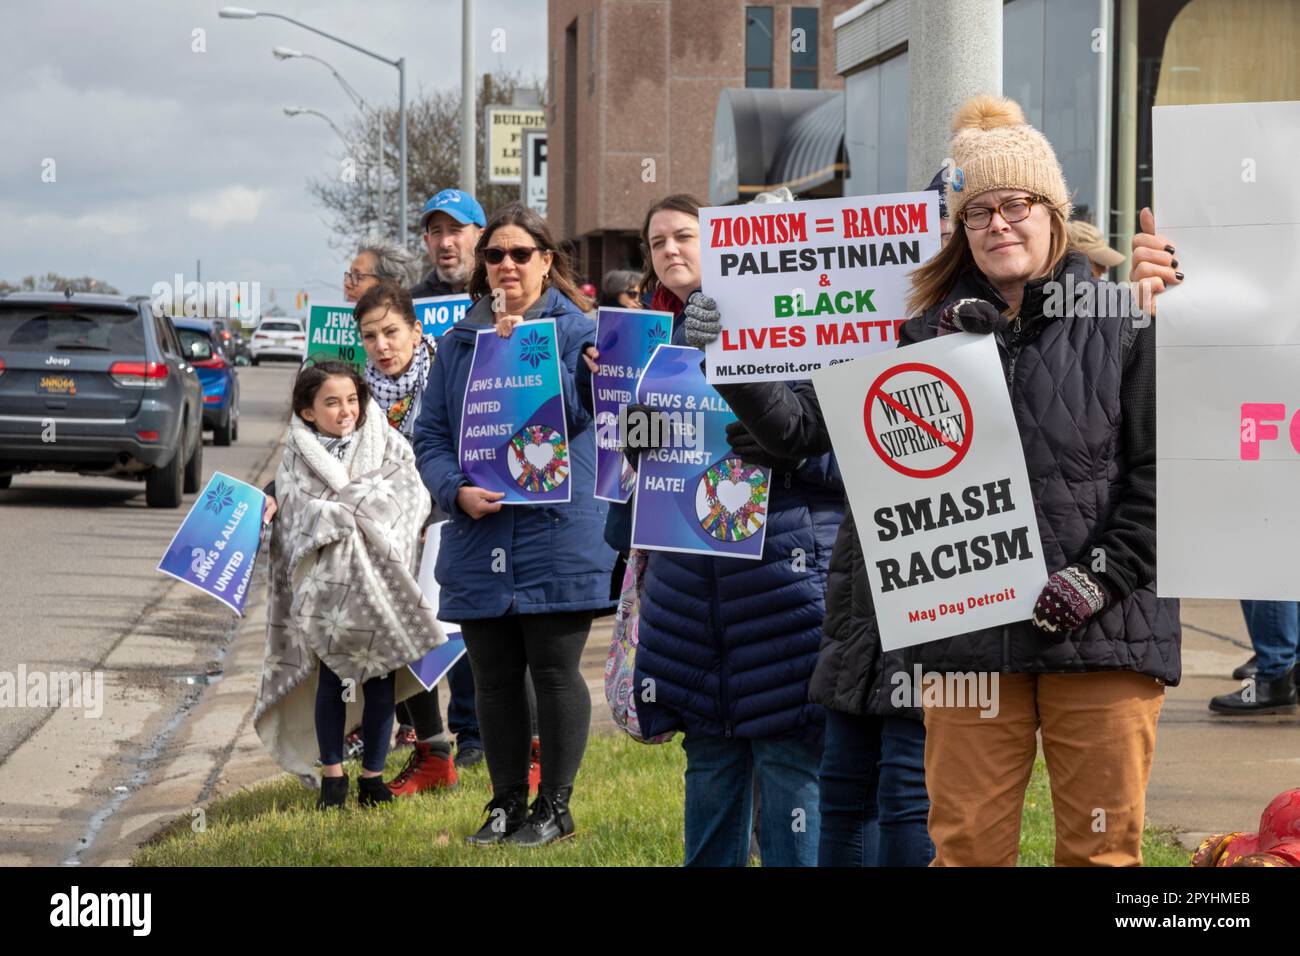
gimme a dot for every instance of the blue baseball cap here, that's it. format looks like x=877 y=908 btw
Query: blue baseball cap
x=461 y=206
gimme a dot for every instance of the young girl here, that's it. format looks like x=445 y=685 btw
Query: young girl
x=345 y=613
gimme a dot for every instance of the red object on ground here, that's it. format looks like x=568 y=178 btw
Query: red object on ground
x=535 y=767
x=424 y=770
x=1277 y=842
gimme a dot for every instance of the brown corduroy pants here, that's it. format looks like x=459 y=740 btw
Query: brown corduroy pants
x=1099 y=735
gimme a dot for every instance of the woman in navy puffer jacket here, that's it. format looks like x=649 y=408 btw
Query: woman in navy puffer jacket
x=523 y=581
x=727 y=646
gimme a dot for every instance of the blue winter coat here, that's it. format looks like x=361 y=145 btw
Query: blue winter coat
x=730 y=644
x=554 y=555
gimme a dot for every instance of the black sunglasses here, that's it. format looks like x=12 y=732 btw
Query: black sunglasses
x=520 y=254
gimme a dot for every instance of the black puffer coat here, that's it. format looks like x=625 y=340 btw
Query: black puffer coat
x=1083 y=392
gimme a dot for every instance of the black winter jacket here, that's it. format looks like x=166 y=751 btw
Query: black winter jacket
x=1092 y=469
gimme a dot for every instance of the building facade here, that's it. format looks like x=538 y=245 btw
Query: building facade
x=633 y=95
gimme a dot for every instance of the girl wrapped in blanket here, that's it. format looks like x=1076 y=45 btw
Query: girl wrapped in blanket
x=345 y=613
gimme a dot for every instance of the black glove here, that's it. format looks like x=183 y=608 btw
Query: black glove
x=972 y=315
x=744 y=444
x=645 y=424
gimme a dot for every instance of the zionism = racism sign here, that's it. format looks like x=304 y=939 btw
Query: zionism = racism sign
x=805 y=285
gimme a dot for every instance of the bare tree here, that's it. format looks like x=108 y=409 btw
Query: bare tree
x=53 y=282
x=433 y=163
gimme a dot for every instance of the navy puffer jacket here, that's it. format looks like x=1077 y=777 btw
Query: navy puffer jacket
x=729 y=643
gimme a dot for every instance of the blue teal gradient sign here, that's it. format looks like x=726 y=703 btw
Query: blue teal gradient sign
x=693 y=493
x=514 y=436
x=216 y=545
x=625 y=339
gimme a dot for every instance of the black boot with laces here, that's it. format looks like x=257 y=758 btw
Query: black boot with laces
x=506 y=814
x=548 y=821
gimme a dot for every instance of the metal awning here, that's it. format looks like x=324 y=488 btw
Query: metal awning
x=763 y=139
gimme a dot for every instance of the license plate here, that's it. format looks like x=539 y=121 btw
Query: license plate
x=56 y=385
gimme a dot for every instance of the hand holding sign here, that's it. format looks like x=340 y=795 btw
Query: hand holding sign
x=1154 y=265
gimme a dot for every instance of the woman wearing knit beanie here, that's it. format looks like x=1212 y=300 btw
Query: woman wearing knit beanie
x=1090 y=668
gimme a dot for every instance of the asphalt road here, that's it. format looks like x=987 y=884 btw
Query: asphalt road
x=79 y=557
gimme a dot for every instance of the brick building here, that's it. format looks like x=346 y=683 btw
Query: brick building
x=633 y=97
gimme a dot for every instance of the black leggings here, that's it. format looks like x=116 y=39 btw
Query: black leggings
x=376 y=718
x=421 y=712
x=550 y=647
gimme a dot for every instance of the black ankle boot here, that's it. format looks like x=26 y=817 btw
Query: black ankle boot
x=548 y=821
x=333 y=792
x=373 y=790
x=506 y=814
x=1276 y=696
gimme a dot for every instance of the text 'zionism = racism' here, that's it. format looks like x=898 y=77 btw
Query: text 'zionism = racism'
x=978 y=553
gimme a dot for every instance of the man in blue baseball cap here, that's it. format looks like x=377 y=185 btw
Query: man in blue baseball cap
x=452 y=221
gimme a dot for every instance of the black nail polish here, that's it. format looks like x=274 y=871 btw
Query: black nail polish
x=1174 y=263
x=1178 y=276
x=1169 y=249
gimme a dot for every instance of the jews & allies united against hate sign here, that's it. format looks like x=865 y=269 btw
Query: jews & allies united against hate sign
x=935 y=473
x=805 y=285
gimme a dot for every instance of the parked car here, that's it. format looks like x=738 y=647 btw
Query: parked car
x=98 y=385
x=279 y=338
x=201 y=345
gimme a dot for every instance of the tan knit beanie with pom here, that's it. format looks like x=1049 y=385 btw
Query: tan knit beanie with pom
x=994 y=148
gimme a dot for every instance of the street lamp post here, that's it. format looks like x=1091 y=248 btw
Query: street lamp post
x=286 y=53
x=242 y=13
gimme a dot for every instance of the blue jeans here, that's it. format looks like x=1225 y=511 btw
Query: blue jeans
x=720 y=774
x=462 y=720
x=1274 y=628
x=873 y=799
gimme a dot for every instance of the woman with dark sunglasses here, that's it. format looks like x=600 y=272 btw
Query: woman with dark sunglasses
x=523 y=581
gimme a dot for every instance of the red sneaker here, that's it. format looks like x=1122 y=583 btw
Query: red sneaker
x=535 y=767
x=424 y=770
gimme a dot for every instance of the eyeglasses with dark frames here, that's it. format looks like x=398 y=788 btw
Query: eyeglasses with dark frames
x=1015 y=209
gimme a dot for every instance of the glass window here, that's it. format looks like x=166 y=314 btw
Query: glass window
x=875 y=128
x=195 y=344
x=33 y=329
x=1058 y=92
x=803 y=48
x=758 y=47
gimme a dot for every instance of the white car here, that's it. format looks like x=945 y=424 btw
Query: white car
x=279 y=338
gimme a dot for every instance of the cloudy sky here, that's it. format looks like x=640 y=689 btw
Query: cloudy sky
x=163 y=155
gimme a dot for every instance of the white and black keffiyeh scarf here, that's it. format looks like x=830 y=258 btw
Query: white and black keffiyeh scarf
x=400 y=397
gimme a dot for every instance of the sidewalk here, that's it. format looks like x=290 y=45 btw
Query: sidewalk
x=1214 y=774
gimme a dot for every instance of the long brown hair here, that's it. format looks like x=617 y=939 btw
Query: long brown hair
x=933 y=281
x=561 y=274
x=677 y=202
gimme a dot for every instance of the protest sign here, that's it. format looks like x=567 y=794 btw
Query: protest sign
x=332 y=335
x=215 y=546
x=693 y=494
x=625 y=339
x=804 y=285
x=438 y=313
x=935 y=474
x=433 y=666
x=1228 y=351
x=514 y=436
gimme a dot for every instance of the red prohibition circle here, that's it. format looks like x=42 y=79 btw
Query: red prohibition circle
x=877 y=389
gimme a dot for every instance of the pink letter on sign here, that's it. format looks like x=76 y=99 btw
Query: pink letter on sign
x=1257 y=413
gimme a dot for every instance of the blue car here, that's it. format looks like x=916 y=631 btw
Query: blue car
x=202 y=346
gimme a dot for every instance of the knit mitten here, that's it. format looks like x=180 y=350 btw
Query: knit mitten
x=703 y=322
x=1071 y=597
x=971 y=315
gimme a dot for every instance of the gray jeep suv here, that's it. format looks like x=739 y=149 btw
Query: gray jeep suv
x=96 y=384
